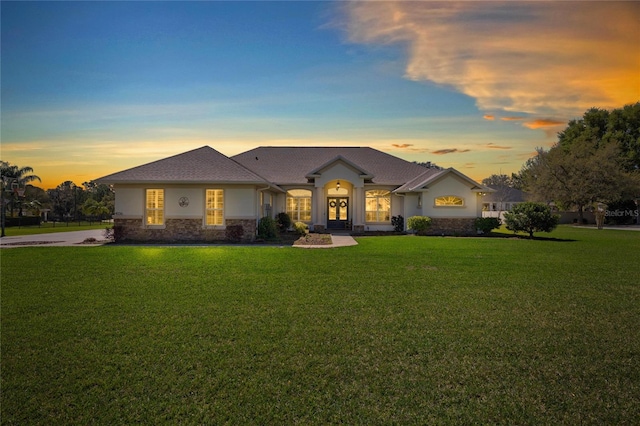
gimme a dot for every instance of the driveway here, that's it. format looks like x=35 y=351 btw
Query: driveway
x=54 y=239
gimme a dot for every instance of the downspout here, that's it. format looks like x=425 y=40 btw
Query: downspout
x=258 y=207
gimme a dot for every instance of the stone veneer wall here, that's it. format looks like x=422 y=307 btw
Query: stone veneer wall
x=452 y=226
x=179 y=230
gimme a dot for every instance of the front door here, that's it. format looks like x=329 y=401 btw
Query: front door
x=338 y=212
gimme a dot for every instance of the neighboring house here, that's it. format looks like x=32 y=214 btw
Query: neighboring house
x=502 y=200
x=196 y=195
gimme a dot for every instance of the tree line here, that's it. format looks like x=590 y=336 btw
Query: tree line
x=66 y=202
x=596 y=160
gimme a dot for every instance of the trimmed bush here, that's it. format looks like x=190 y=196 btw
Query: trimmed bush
x=398 y=223
x=267 y=228
x=284 y=221
x=419 y=224
x=487 y=224
x=301 y=228
x=531 y=217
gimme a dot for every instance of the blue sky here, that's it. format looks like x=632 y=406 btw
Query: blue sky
x=90 y=88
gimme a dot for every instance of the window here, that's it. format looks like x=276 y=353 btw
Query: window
x=299 y=205
x=378 y=205
x=215 y=207
x=155 y=207
x=449 y=201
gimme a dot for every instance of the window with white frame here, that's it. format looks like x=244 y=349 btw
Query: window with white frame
x=214 y=207
x=154 y=207
x=378 y=205
x=299 y=205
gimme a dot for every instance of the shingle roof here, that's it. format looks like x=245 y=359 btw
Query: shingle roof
x=290 y=165
x=197 y=166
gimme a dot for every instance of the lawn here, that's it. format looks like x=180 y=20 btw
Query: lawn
x=396 y=330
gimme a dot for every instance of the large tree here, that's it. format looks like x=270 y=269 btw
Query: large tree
x=596 y=159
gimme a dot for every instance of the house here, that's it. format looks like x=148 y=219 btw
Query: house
x=197 y=195
x=502 y=200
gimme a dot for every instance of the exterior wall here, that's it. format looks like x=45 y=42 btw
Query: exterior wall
x=186 y=222
x=129 y=201
x=451 y=185
x=178 y=230
x=452 y=226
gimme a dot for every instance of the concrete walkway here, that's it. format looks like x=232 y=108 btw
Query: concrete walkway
x=337 y=240
x=54 y=239
x=77 y=238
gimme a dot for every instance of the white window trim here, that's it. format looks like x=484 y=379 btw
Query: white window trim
x=310 y=197
x=163 y=225
x=378 y=211
x=224 y=204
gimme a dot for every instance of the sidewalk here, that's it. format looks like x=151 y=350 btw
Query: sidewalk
x=54 y=239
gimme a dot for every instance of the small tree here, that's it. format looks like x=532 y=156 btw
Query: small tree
x=420 y=224
x=531 y=217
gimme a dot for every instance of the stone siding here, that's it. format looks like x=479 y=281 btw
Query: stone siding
x=452 y=226
x=179 y=230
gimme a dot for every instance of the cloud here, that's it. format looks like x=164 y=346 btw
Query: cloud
x=449 y=151
x=557 y=58
x=512 y=118
x=489 y=117
x=492 y=145
x=401 y=146
x=542 y=123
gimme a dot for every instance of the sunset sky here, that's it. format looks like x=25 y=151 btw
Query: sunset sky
x=91 y=88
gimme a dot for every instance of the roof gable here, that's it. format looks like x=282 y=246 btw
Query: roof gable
x=431 y=176
x=200 y=165
x=339 y=159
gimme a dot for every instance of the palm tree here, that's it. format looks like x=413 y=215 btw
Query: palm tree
x=15 y=177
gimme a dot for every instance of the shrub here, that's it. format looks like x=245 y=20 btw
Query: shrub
x=234 y=233
x=267 y=228
x=284 y=221
x=301 y=228
x=420 y=224
x=531 y=217
x=398 y=223
x=487 y=224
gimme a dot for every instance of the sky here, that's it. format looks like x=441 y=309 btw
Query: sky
x=92 y=88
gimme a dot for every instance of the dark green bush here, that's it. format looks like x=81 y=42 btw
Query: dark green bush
x=267 y=228
x=487 y=224
x=284 y=221
x=398 y=223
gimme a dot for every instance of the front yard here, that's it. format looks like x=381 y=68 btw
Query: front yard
x=398 y=329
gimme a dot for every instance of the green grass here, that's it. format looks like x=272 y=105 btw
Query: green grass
x=396 y=330
x=50 y=227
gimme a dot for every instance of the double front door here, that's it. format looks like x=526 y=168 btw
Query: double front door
x=337 y=212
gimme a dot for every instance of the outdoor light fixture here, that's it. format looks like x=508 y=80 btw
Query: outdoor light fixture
x=338 y=186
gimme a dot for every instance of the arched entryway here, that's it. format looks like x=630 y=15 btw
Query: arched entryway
x=338 y=205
